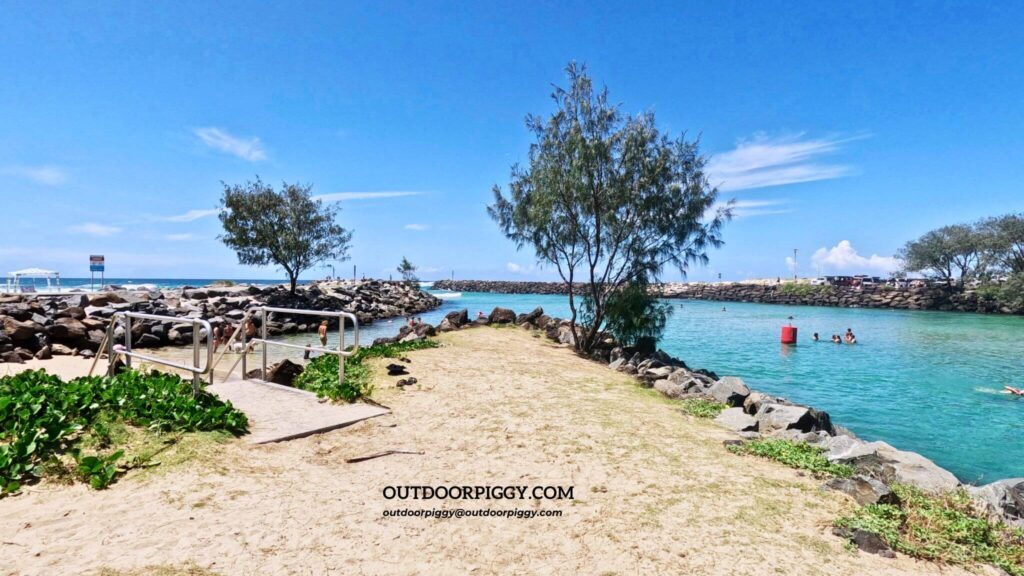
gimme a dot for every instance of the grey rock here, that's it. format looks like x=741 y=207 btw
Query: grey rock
x=669 y=388
x=1003 y=497
x=864 y=490
x=775 y=417
x=737 y=420
x=729 y=390
x=501 y=316
x=889 y=465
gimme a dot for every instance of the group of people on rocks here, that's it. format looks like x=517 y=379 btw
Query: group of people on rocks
x=847 y=338
x=222 y=334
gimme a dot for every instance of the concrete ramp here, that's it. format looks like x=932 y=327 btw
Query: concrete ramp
x=277 y=413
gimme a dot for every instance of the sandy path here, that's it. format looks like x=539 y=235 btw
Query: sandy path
x=655 y=492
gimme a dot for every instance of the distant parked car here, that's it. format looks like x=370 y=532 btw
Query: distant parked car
x=819 y=282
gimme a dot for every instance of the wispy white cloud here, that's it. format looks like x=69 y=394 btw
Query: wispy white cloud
x=341 y=196
x=519 y=268
x=94 y=229
x=190 y=215
x=250 y=149
x=46 y=175
x=843 y=257
x=179 y=237
x=762 y=161
x=752 y=208
x=417 y=227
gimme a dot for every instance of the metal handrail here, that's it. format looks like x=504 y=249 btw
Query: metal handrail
x=195 y=369
x=340 y=352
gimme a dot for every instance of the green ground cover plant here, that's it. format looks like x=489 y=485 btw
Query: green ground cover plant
x=321 y=374
x=702 y=407
x=793 y=454
x=945 y=528
x=43 y=418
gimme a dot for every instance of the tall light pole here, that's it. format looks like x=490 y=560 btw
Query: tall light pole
x=794 y=263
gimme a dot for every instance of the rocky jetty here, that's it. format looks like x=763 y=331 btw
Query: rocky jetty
x=504 y=286
x=878 y=296
x=42 y=326
x=752 y=414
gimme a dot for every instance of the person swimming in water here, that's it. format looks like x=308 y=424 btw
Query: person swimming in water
x=849 y=337
x=836 y=339
x=1014 y=391
x=815 y=337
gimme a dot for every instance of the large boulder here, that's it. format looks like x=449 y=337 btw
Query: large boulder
x=775 y=417
x=458 y=318
x=889 y=465
x=283 y=372
x=502 y=316
x=737 y=420
x=68 y=329
x=1003 y=497
x=864 y=490
x=669 y=388
x=19 y=331
x=534 y=315
x=729 y=390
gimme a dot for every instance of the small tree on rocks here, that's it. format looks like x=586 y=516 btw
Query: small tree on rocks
x=287 y=227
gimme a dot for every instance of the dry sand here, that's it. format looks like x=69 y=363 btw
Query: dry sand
x=655 y=491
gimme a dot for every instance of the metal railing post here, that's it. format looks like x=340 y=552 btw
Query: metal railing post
x=244 y=348
x=110 y=347
x=341 y=350
x=196 y=329
x=128 y=341
x=263 y=345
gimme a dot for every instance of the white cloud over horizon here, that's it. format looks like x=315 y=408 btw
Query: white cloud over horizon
x=762 y=161
x=519 y=268
x=843 y=257
x=191 y=215
x=250 y=149
x=179 y=237
x=94 y=229
x=417 y=227
x=45 y=175
x=340 y=196
x=751 y=208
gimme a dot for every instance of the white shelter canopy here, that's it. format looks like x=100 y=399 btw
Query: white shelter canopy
x=14 y=279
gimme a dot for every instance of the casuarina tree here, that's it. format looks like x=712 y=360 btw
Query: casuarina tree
x=608 y=201
x=286 y=227
x=408 y=272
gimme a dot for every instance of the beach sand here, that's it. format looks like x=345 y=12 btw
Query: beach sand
x=655 y=491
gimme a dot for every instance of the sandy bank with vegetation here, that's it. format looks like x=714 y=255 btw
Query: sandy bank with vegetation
x=655 y=491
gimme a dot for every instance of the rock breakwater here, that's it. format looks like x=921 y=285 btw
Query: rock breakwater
x=34 y=326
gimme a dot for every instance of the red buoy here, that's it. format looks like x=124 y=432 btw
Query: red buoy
x=789 y=334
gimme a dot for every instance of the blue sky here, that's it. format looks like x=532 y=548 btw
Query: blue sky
x=841 y=129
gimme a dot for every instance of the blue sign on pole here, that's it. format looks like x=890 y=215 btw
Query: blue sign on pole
x=96 y=268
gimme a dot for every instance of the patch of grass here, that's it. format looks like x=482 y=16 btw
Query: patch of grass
x=803 y=290
x=793 y=454
x=321 y=374
x=947 y=528
x=702 y=407
x=42 y=418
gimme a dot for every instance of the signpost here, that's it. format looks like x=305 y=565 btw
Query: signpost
x=96 y=264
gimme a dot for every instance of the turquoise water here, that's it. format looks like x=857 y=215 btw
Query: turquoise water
x=922 y=381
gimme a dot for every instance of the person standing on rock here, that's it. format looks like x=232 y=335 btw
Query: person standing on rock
x=322 y=333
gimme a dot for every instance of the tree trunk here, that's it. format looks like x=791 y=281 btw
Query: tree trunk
x=292 y=280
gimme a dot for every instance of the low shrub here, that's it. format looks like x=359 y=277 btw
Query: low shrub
x=946 y=528
x=321 y=374
x=703 y=408
x=794 y=454
x=803 y=290
x=41 y=417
